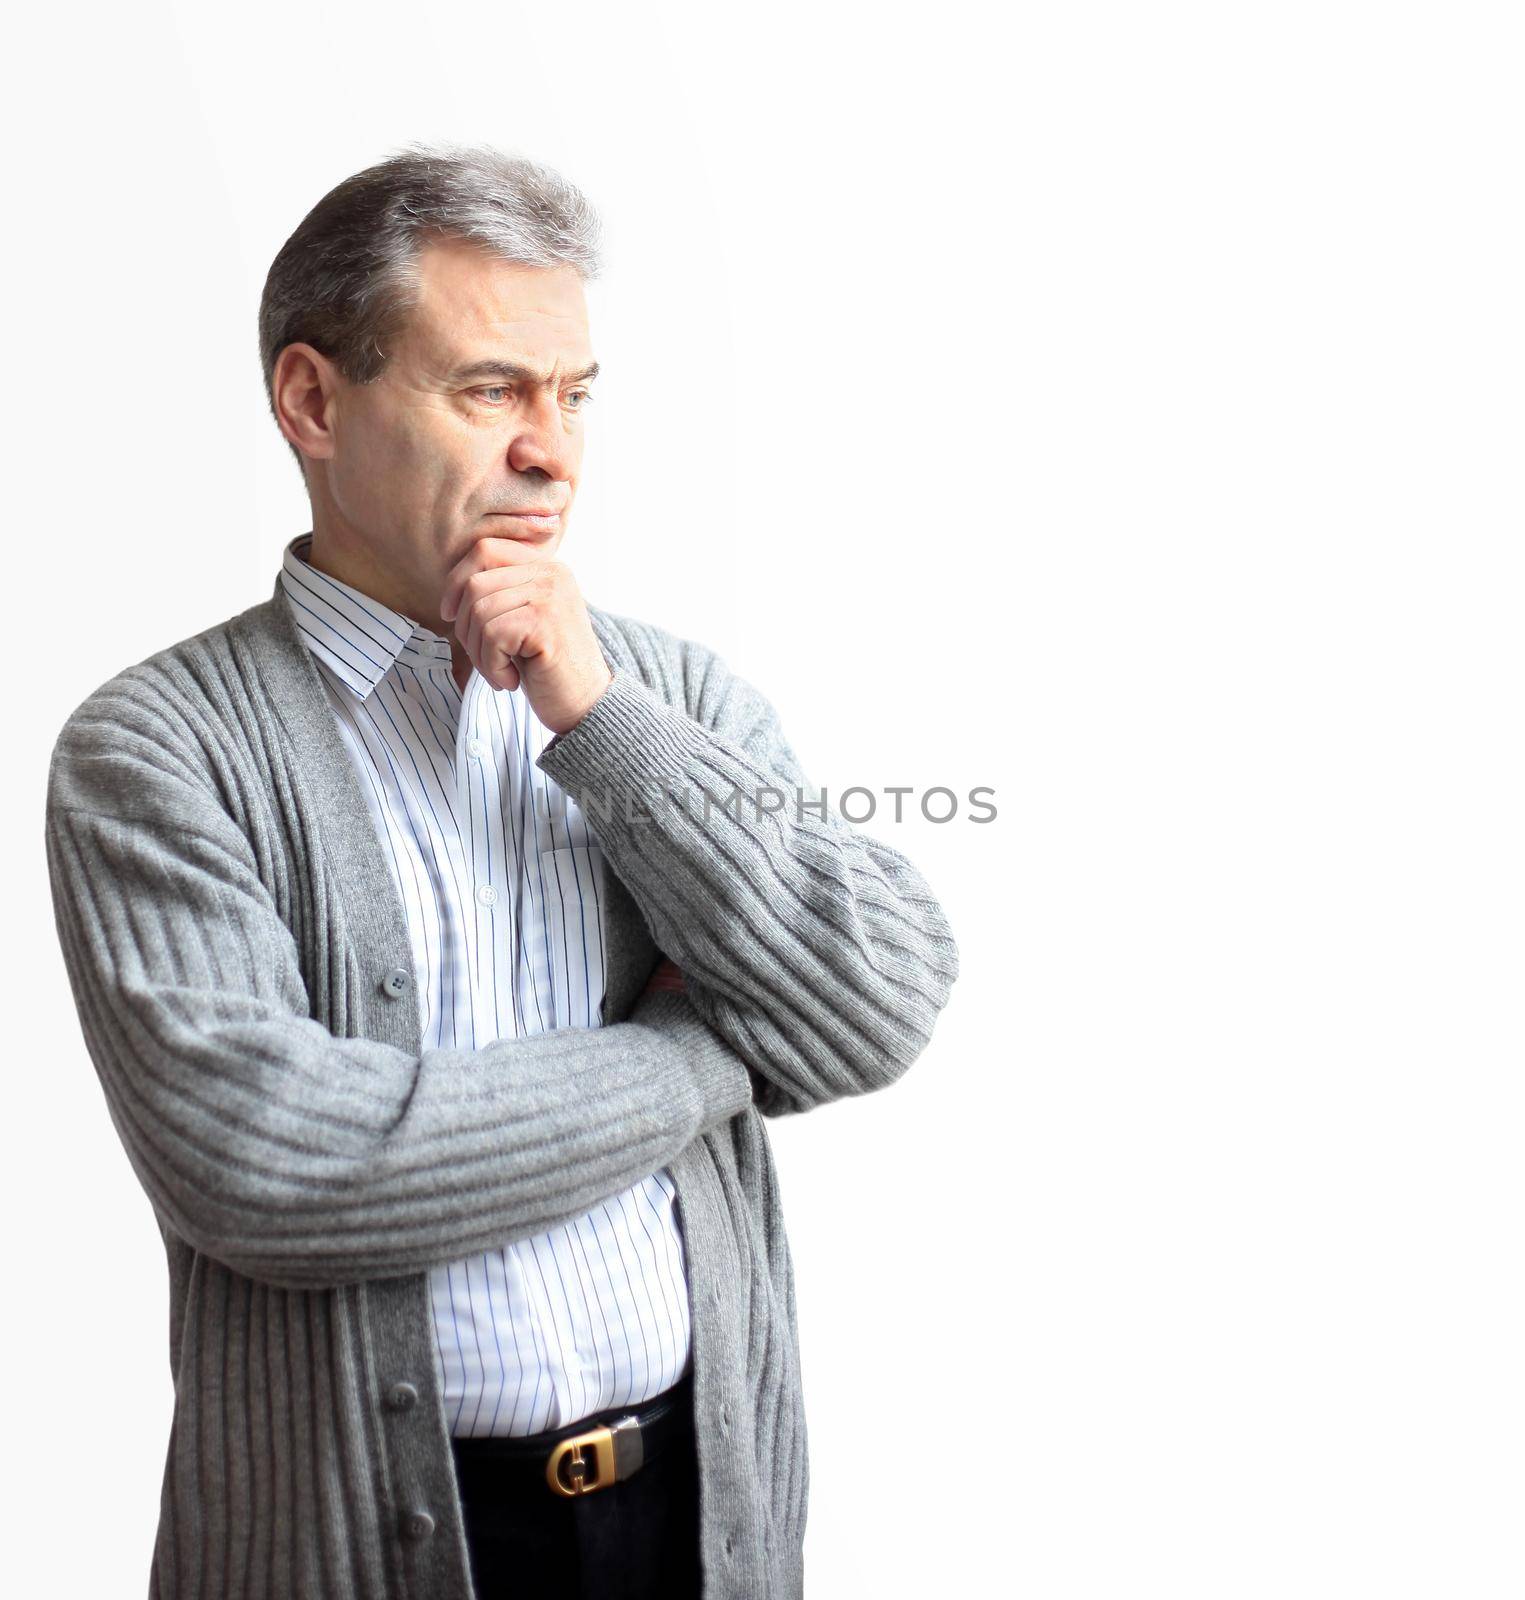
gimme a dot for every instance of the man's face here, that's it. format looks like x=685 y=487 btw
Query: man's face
x=477 y=416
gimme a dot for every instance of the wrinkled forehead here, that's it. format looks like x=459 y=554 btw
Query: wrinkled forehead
x=472 y=303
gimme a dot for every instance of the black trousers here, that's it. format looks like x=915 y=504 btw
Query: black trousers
x=636 y=1540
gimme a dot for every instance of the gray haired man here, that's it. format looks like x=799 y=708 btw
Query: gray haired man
x=444 y=1054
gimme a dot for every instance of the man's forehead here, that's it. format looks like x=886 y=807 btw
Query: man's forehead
x=465 y=284
x=473 y=307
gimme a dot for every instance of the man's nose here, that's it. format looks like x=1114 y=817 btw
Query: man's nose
x=544 y=443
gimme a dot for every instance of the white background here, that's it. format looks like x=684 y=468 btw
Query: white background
x=1116 y=405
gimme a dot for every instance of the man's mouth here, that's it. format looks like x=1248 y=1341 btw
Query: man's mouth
x=531 y=521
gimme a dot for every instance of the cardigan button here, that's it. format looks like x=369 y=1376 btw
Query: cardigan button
x=396 y=982
x=402 y=1397
x=417 y=1526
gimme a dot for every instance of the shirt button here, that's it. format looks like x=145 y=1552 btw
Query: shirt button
x=402 y=1397
x=476 y=748
x=417 y=1525
x=395 y=982
x=487 y=895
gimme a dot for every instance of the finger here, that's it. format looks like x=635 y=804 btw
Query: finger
x=493 y=636
x=489 y=581
x=487 y=554
x=471 y=583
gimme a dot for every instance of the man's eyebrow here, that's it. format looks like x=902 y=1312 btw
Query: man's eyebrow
x=512 y=372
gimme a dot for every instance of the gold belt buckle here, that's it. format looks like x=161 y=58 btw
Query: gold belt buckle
x=601 y=1442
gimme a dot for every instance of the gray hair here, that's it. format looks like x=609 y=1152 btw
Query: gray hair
x=347 y=279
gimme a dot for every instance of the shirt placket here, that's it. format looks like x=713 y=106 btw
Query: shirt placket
x=489 y=888
x=498 y=892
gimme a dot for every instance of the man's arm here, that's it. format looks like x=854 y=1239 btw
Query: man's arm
x=289 y=1154
x=819 y=953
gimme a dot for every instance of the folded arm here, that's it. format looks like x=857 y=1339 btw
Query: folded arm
x=819 y=953
x=295 y=1156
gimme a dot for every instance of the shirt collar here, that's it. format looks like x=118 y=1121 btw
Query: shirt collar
x=356 y=637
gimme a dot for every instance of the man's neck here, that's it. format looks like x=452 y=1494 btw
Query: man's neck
x=372 y=582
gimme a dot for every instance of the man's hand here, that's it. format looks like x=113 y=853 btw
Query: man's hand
x=667 y=976
x=521 y=617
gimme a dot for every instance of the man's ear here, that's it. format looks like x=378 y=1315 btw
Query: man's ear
x=303 y=385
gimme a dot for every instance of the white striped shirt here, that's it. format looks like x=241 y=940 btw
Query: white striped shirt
x=503 y=884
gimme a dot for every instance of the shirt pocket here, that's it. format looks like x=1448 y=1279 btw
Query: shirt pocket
x=573 y=885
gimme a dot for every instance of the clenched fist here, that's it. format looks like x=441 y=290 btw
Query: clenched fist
x=521 y=618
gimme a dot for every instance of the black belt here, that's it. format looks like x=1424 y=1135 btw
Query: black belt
x=589 y=1454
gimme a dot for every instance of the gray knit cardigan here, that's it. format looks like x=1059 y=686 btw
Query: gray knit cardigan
x=242 y=970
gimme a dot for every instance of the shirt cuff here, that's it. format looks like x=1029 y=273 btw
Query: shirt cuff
x=627 y=719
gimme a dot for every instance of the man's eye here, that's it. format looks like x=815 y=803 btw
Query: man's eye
x=488 y=393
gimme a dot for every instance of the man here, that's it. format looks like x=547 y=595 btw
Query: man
x=441 y=944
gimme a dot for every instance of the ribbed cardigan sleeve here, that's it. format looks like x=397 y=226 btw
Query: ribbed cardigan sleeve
x=818 y=952
x=292 y=1155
